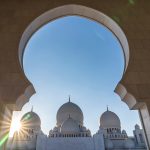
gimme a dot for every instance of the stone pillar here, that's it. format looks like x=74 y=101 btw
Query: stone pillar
x=2 y=108
x=6 y=116
x=145 y=120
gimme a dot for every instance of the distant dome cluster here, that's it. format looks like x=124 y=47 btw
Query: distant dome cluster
x=71 y=134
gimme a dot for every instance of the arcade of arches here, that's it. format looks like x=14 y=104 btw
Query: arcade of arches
x=129 y=20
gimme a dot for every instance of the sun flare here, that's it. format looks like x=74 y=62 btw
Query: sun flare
x=15 y=126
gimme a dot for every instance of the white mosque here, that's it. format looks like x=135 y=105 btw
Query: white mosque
x=71 y=134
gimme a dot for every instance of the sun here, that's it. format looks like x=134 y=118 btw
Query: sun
x=15 y=126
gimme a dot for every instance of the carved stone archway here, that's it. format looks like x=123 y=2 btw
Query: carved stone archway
x=94 y=15
x=77 y=10
x=15 y=89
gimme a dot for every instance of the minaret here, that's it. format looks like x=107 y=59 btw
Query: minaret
x=107 y=108
x=69 y=98
x=32 y=109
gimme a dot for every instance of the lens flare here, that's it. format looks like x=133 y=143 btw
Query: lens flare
x=15 y=126
x=5 y=126
x=5 y=137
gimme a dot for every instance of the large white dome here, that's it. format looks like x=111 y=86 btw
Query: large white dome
x=71 y=109
x=31 y=120
x=109 y=120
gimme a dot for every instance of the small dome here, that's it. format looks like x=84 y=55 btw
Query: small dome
x=84 y=129
x=71 y=109
x=109 y=120
x=108 y=144
x=70 y=126
x=55 y=129
x=137 y=126
x=124 y=132
x=129 y=143
x=31 y=119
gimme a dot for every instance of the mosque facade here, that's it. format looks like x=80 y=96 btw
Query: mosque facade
x=71 y=134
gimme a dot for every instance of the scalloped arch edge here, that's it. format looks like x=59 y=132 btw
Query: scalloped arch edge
x=127 y=97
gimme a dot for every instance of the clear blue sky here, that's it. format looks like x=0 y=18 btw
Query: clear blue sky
x=78 y=57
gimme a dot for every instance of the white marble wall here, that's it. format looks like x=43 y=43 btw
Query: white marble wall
x=99 y=142
x=77 y=143
x=21 y=145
